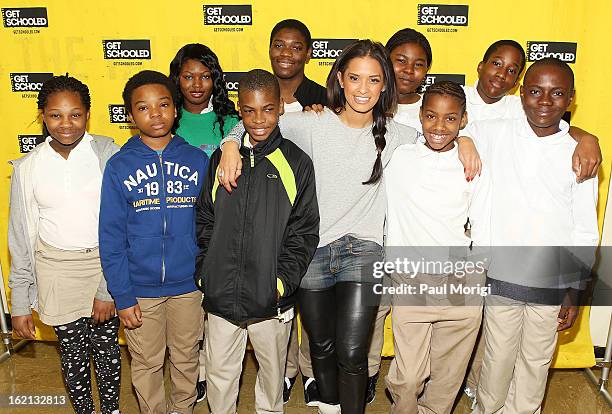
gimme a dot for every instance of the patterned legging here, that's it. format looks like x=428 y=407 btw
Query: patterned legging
x=78 y=341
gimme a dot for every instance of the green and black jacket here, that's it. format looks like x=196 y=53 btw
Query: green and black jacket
x=261 y=238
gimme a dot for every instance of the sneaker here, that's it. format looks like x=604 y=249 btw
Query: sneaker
x=371 y=390
x=311 y=392
x=287 y=387
x=471 y=394
x=201 y=389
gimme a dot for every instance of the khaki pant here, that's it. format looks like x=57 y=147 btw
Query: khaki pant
x=520 y=340
x=433 y=345
x=202 y=356
x=173 y=322
x=226 y=345
x=298 y=355
x=378 y=339
x=475 y=364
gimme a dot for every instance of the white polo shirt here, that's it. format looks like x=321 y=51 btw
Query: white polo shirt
x=408 y=114
x=68 y=195
x=508 y=107
x=429 y=200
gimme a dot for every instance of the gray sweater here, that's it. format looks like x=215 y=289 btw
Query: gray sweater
x=343 y=158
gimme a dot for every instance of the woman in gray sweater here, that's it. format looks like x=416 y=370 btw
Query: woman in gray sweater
x=336 y=296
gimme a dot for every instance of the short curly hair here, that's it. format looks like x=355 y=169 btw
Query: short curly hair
x=147 y=77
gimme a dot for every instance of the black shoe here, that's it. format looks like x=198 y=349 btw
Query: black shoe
x=287 y=387
x=201 y=390
x=371 y=390
x=311 y=391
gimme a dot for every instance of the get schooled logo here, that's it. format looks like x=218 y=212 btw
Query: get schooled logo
x=442 y=15
x=234 y=15
x=232 y=79
x=25 y=17
x=565 y=51
x=327 y=50
x=118 y=115
x=432 y=78
x=28 y=82
x=28 y=142
x=132 y=51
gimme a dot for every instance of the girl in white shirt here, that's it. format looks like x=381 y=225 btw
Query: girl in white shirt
x=53 y=240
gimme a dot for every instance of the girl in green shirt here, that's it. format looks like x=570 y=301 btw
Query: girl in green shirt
x=206 y=112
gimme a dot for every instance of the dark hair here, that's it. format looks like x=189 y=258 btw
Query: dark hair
x=551 y=61
x=62 y=83
x=222 y=105
x=410 y=36
x=384 y=107
x=446 y=88
x=511 y=43
x=147 y=77
x=295 y=25
x=257 y=80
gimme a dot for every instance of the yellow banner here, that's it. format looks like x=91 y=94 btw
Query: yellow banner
x=104 y=43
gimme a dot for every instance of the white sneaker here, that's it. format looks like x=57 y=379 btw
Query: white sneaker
x=471 y=394
x=329 y=409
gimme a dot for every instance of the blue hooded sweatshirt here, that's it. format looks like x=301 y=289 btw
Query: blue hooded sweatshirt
x=147 y=227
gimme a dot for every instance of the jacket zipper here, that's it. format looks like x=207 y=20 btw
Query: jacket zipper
x=163 y=272
x=246 y=209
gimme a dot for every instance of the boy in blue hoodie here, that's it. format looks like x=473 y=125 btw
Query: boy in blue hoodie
x=148 y=246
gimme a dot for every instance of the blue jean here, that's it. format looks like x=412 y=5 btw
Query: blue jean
x=347 y=259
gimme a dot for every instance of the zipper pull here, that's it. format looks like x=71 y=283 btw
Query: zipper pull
x=252 y=158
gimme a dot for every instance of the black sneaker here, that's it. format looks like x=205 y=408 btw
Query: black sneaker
x=371 y=390
x=201 y=390
x=287 y=387
x=311 y=391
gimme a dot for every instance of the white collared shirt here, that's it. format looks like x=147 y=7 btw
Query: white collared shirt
x=408 y=114
x=293 y=107
x=209 y=107
x=508 y=107
x=428 y=198
x=67 y=192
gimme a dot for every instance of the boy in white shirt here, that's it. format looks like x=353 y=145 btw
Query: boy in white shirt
x=428 y=202
x=532 y=187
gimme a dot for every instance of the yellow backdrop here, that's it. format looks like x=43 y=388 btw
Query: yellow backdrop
x=103 y=43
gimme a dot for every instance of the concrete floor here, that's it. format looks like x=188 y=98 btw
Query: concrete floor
x=35 y=370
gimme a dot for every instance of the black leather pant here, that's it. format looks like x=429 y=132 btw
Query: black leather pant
x=339 y=321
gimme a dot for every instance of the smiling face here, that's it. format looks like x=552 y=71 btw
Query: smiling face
x=195 y=81
x=362 y=82
x=153 y=111
x=289 y=53
x=546 y=94
x=442 y=116
x=65 y=117
x=410 y=66
x=259 y=110
x=499 y=74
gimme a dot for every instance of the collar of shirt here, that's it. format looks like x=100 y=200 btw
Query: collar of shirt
x=247 y=142
x=79 y=149
x=209 y=108
x=474 y=98
x=424 y=151
x=526 y=131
